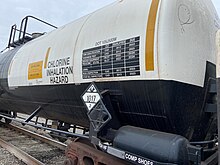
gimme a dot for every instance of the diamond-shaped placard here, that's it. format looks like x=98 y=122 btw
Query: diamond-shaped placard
x=91 y=97
x=99 y=116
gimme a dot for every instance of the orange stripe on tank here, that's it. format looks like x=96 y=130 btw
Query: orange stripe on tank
x=149 y=56
x=46 y=58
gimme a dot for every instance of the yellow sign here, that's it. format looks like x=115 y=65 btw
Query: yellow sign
x=35 y=70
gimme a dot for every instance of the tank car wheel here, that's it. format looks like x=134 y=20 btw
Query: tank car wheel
x=11 y=114
x=60 y=136
x=8 y=121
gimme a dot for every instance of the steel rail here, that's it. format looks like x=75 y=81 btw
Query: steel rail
x=26 y=158
x=42 y=138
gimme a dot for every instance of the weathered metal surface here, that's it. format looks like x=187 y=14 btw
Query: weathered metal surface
x=79 y=153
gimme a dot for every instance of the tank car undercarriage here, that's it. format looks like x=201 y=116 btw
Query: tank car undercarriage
x=102 y=145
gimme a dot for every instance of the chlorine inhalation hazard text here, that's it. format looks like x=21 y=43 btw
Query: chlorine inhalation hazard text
x=59 y=71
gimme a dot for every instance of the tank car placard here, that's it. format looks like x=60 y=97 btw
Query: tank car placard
x=35 y=70
x=91 y=97
x=117 y=59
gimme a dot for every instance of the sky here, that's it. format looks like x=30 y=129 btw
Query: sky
x=56 y=12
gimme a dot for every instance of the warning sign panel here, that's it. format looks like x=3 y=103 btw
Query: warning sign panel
x=35 y=70
x=91 y=97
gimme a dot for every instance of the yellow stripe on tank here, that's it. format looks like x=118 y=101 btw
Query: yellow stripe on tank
x=46 y=58
x=149 y=56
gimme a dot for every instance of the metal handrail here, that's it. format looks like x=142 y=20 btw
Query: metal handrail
x=22 y=31
x=23 y=26
x=12 y=34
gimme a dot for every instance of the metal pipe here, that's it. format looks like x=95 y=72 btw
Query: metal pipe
x=11 y=34
x=30 y=16
x=46 y=128
x=14 y=30
x=33 y=114
x=25 y=25
x=21 y=28
x=25 y=29
x=204 y=142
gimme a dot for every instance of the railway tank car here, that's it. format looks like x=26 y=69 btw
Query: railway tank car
x=155 y=58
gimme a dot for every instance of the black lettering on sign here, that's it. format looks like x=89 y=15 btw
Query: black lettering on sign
x=91 y=98
x=59 y=80
x=117 y=55
x=59 y=71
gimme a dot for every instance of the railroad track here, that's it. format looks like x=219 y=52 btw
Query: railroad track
x=19 y=146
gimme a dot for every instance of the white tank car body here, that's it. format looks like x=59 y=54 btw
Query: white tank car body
x=174 y=40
